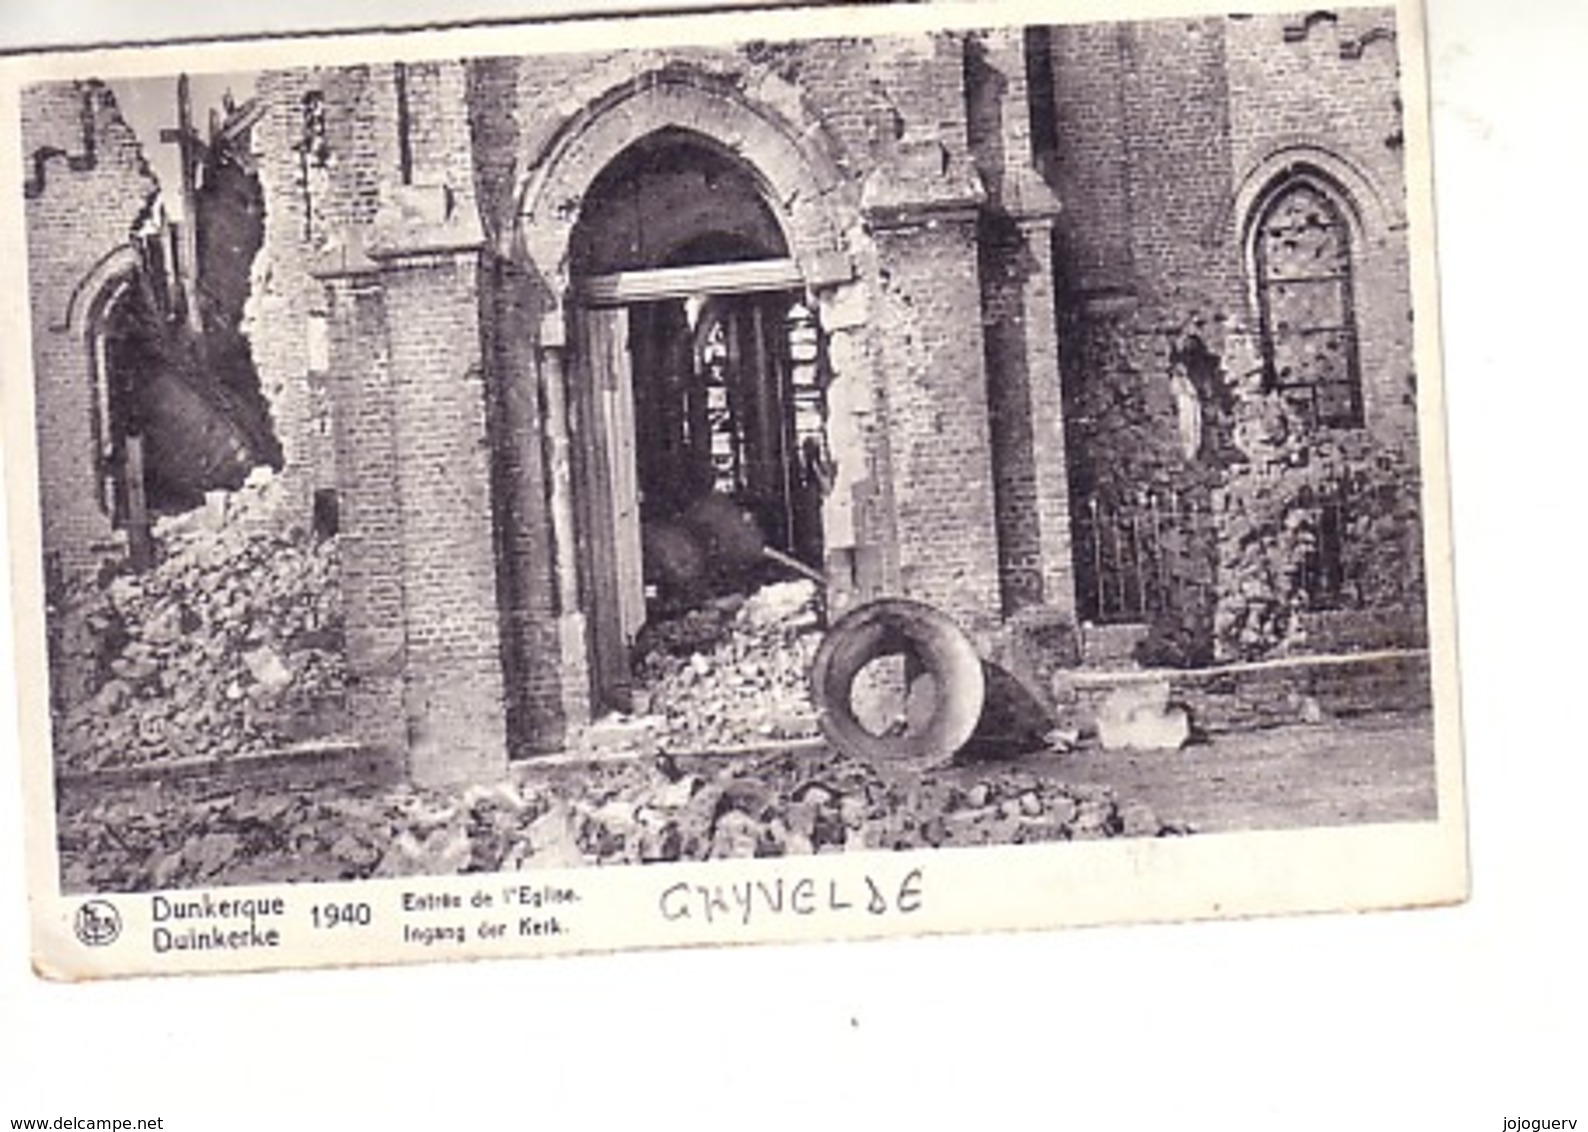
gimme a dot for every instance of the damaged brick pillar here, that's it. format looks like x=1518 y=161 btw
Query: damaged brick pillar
x=571 y=626
x=370 y=530
x=1041 y=418
x=931 y=362
x=1027 y=415
x=534 y=593
x=454 y=697
x=920 y=203
x=1024 y=392
x=850 y=519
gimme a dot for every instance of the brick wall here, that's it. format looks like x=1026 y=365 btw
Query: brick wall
x=454 y=689
x=372 y=533
x=1018 y=313
x=1323 y=92
x=1168 y=134
x=1177 y=150
x=81 y=207
x=930 y=358
x=497 y=143
x=1026 y=419
x=540 y=673
x=299 y=212
x=1088 y=162
x=372 y=231
x=1141 y=163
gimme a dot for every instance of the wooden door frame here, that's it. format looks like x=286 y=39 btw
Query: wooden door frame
x=656 y=284
x=610 y=542
x=608 y=530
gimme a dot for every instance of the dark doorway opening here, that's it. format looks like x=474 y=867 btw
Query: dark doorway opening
x=728 y=402
x=701 y=385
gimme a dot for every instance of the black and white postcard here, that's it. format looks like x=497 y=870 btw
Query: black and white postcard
x=778 y=475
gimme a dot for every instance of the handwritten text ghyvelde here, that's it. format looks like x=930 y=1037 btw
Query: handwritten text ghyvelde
x=203 y=923
x=749 y=900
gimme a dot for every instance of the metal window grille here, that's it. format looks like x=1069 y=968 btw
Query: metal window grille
x=1128 y=556
x=1135 y=560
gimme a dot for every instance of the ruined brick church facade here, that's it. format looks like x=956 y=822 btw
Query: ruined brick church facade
x=501 y=303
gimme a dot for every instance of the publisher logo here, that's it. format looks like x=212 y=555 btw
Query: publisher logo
x=97 y=923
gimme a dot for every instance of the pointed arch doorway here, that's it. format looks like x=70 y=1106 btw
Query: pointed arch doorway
x=698 y=373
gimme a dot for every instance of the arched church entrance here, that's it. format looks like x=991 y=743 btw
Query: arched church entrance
x=699 y=386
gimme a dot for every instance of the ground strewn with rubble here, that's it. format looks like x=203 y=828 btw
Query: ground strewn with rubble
x=614 y=811
x=804 y=800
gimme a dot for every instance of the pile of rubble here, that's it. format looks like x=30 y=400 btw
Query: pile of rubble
x=230 y=645
x=732 y=672
x=621 y=812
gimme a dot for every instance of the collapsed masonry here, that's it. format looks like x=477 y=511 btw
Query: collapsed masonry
x=230 y=646
x=146 y=350
x=198 y=621
x=176 y=834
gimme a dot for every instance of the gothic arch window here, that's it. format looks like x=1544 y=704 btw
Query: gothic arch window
x=1302 y=267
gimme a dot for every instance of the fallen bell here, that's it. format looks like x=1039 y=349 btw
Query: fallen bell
x=945 y=686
